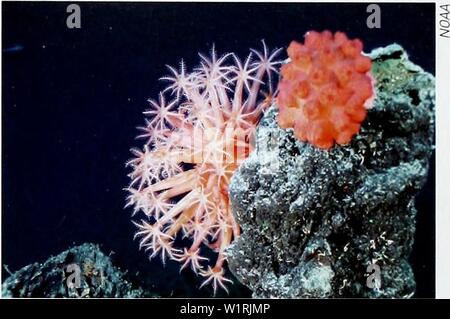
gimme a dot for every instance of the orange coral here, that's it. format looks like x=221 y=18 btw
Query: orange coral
x=325 y=89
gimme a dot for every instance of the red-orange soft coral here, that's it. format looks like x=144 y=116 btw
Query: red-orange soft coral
x=325 y=89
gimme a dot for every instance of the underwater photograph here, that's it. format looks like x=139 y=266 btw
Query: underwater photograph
x=218 y=150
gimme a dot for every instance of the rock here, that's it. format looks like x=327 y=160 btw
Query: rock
x=338 y=223
x=57 y=277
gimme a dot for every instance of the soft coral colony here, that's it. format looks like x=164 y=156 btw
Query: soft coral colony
x=195 y=142
x=326 y=89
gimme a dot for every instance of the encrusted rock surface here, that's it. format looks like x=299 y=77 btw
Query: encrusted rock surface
x=314 y=220
x=57 y=277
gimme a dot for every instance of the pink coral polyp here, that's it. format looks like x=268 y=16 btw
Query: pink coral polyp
x=326 y=89
x=196 y=139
